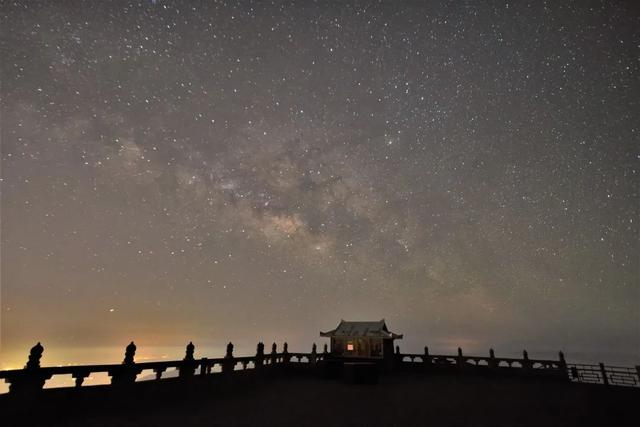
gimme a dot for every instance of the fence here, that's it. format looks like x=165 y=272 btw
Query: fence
x=33 y=377
x=578 y=373
x=607 y=375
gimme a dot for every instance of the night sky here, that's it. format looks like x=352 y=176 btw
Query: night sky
x=212 y=171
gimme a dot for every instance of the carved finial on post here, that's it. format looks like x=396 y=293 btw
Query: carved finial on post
x=285 y=348
x=188 y=367
x=459 y=352
x=274 y=353
x=189 y=351
x=492 y=354
x=35 y=354
x=126 y=374
x=525 y=355
x=285 y=353
x=397 y=349
x=259 y=355
x=274 y=348
x=426 y=350
x=229 y=363
x=324 y=349
x=129 y=354
x=229 y=354
x=314 y=349
x=32 y=378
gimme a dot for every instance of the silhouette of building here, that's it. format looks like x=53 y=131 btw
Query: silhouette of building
x=371 y=339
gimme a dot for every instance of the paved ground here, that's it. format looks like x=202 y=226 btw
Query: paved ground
x=401 y=399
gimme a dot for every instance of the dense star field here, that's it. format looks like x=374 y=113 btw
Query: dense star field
x=245 y=171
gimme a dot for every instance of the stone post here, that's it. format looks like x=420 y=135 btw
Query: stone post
x=188 y=367
x=493 y=363
x=313 y=355
x=324 y=349
x=259 y=355
x=426 y=359
x=32 y=378
x=228 y=364
x=126 y=374
x=563 y=372
x=286 y=357
x=274 y=353
x=526 y=363
x=563 y=363
x=460 y=359
x=396 y=362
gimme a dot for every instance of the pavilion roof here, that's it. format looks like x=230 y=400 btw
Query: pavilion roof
x=361 y=329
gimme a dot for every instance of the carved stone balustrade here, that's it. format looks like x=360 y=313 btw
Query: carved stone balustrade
x=31 y=380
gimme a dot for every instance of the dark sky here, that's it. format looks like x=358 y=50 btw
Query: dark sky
x=212 y=171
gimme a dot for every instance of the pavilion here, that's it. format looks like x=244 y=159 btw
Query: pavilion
x=370 y=339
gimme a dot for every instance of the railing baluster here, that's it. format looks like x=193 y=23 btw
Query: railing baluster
x=603 y=372
x=79 y=376
x=159 y=371
x=203 y=366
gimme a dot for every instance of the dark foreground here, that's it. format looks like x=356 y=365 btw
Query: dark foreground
x=399 y=399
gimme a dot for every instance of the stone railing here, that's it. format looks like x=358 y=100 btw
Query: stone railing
x=596 y=374
x=33 y=377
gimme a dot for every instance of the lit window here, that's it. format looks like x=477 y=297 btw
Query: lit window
x=350 y=347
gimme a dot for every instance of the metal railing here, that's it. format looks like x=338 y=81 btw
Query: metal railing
x=579 y=373
x=604 y=374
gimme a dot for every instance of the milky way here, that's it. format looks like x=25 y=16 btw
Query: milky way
x=176 y=171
